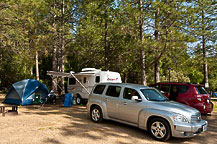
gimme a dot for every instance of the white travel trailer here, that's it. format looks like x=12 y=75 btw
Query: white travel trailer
x=81 y=84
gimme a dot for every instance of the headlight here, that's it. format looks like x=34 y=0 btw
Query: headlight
x=180 y=118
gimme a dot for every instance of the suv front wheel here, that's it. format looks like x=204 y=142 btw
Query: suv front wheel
x=159 y=129
x=96 y=114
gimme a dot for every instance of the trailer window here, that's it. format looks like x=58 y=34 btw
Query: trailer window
x=97 y=80
x=99 y=89
x=72 y=81
x=85 y=80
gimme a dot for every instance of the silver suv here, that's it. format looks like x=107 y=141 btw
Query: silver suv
x=146 y=108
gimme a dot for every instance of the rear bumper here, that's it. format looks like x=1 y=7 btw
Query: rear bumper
x=204 y=108
x=189 y=130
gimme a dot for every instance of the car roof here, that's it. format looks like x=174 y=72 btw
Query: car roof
x=130 y=85
x=177 y=83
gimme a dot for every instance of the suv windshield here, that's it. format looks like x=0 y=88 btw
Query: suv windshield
x=200 y=90
x=153 y=95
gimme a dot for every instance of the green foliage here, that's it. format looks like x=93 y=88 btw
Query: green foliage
x=196 y=76
x=99 y=33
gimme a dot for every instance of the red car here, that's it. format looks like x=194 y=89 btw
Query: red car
x=190 y=94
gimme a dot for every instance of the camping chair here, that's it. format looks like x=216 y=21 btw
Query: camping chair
x=37 y=99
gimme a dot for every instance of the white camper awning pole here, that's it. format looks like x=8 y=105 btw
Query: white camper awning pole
x=79 y=82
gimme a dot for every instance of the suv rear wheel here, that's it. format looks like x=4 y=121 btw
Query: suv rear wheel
x=96 y=114
x=159 y=129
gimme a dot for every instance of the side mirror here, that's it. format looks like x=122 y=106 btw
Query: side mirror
x=136 y=98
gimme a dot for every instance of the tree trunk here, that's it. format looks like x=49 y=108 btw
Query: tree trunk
x=54 y=59
x=142 y=51
x=204 y=52
x=63 y=48
x=36 y=65
x=31 y=56
x=157 y=72
x=156 y=33
x=106 y=46
x=31 y=70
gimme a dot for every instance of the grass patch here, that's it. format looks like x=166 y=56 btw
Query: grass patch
x=41 y=128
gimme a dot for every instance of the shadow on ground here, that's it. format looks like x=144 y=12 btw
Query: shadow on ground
x=81 y=126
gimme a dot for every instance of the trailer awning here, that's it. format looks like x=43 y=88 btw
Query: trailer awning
x=61 y=74
x=53 y=73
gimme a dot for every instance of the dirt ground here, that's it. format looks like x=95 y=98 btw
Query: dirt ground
x=63 y=125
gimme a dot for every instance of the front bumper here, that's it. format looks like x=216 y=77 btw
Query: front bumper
x=188 y=129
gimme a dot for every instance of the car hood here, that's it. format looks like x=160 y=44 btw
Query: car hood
x=174 y=107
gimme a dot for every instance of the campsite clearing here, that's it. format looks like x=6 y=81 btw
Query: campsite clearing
x=58 y=124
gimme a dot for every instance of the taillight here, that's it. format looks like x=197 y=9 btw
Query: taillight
x=198 y=97
x=203 y=98
x=208 y=100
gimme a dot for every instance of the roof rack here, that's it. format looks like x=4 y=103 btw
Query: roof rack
x=175 y=82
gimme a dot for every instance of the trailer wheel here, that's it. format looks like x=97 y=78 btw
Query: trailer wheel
x=78 y=100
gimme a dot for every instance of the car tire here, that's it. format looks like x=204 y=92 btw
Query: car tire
x=96 y=114
x=159 y=129
x=78 y=100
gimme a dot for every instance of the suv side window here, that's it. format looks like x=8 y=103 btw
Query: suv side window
x=183 y=88
x=128 y=93
x=99 y=89
x=113 y=91
x=165 y=88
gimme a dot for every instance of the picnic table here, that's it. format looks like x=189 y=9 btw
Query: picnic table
x=4 y=109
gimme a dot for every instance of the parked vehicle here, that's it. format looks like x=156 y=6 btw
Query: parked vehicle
x=214 y=94
x=146 y=108
x=189 y=94
x=80 y=84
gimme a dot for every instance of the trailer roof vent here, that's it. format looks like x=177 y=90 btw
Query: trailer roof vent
x=88 y=69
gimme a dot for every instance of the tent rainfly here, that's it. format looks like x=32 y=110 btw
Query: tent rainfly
x=24 y=92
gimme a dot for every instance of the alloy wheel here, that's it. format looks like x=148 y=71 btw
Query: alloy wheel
x=158 y=129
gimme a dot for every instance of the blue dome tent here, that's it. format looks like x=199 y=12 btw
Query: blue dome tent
x=24 y=92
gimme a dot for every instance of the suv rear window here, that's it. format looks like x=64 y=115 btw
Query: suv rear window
x=113 y=91
x=200 y=90
x=99 y=89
